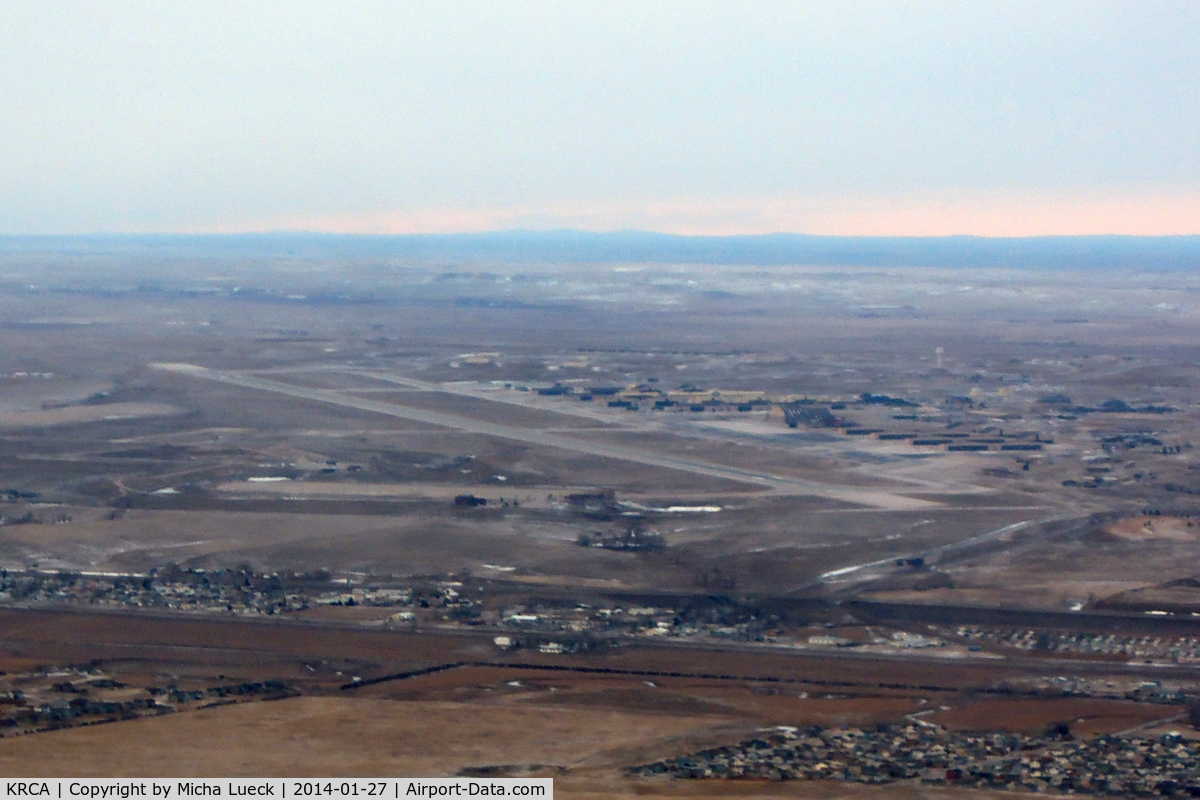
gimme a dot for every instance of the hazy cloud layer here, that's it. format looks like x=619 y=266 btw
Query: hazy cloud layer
x=860 y=117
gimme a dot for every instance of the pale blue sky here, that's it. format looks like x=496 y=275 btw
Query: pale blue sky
x=865 y=117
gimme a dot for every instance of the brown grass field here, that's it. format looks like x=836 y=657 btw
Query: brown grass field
x=584 y=750
x=1087 y=717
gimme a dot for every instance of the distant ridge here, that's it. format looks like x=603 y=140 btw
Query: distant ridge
x=570 y=246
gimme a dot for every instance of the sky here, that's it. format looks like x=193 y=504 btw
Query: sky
x=846 y=118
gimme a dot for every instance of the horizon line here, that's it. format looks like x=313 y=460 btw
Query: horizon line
x=580 y=231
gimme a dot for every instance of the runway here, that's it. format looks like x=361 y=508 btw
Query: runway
x=876 y=498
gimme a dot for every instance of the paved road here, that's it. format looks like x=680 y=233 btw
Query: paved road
x=877 y=498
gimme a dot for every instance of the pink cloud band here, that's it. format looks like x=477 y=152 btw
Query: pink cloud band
x=982 y=215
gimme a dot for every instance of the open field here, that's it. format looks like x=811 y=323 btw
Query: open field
x=581 y=749
x=1086 y=717
x=362 y=737
x=76 y=414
